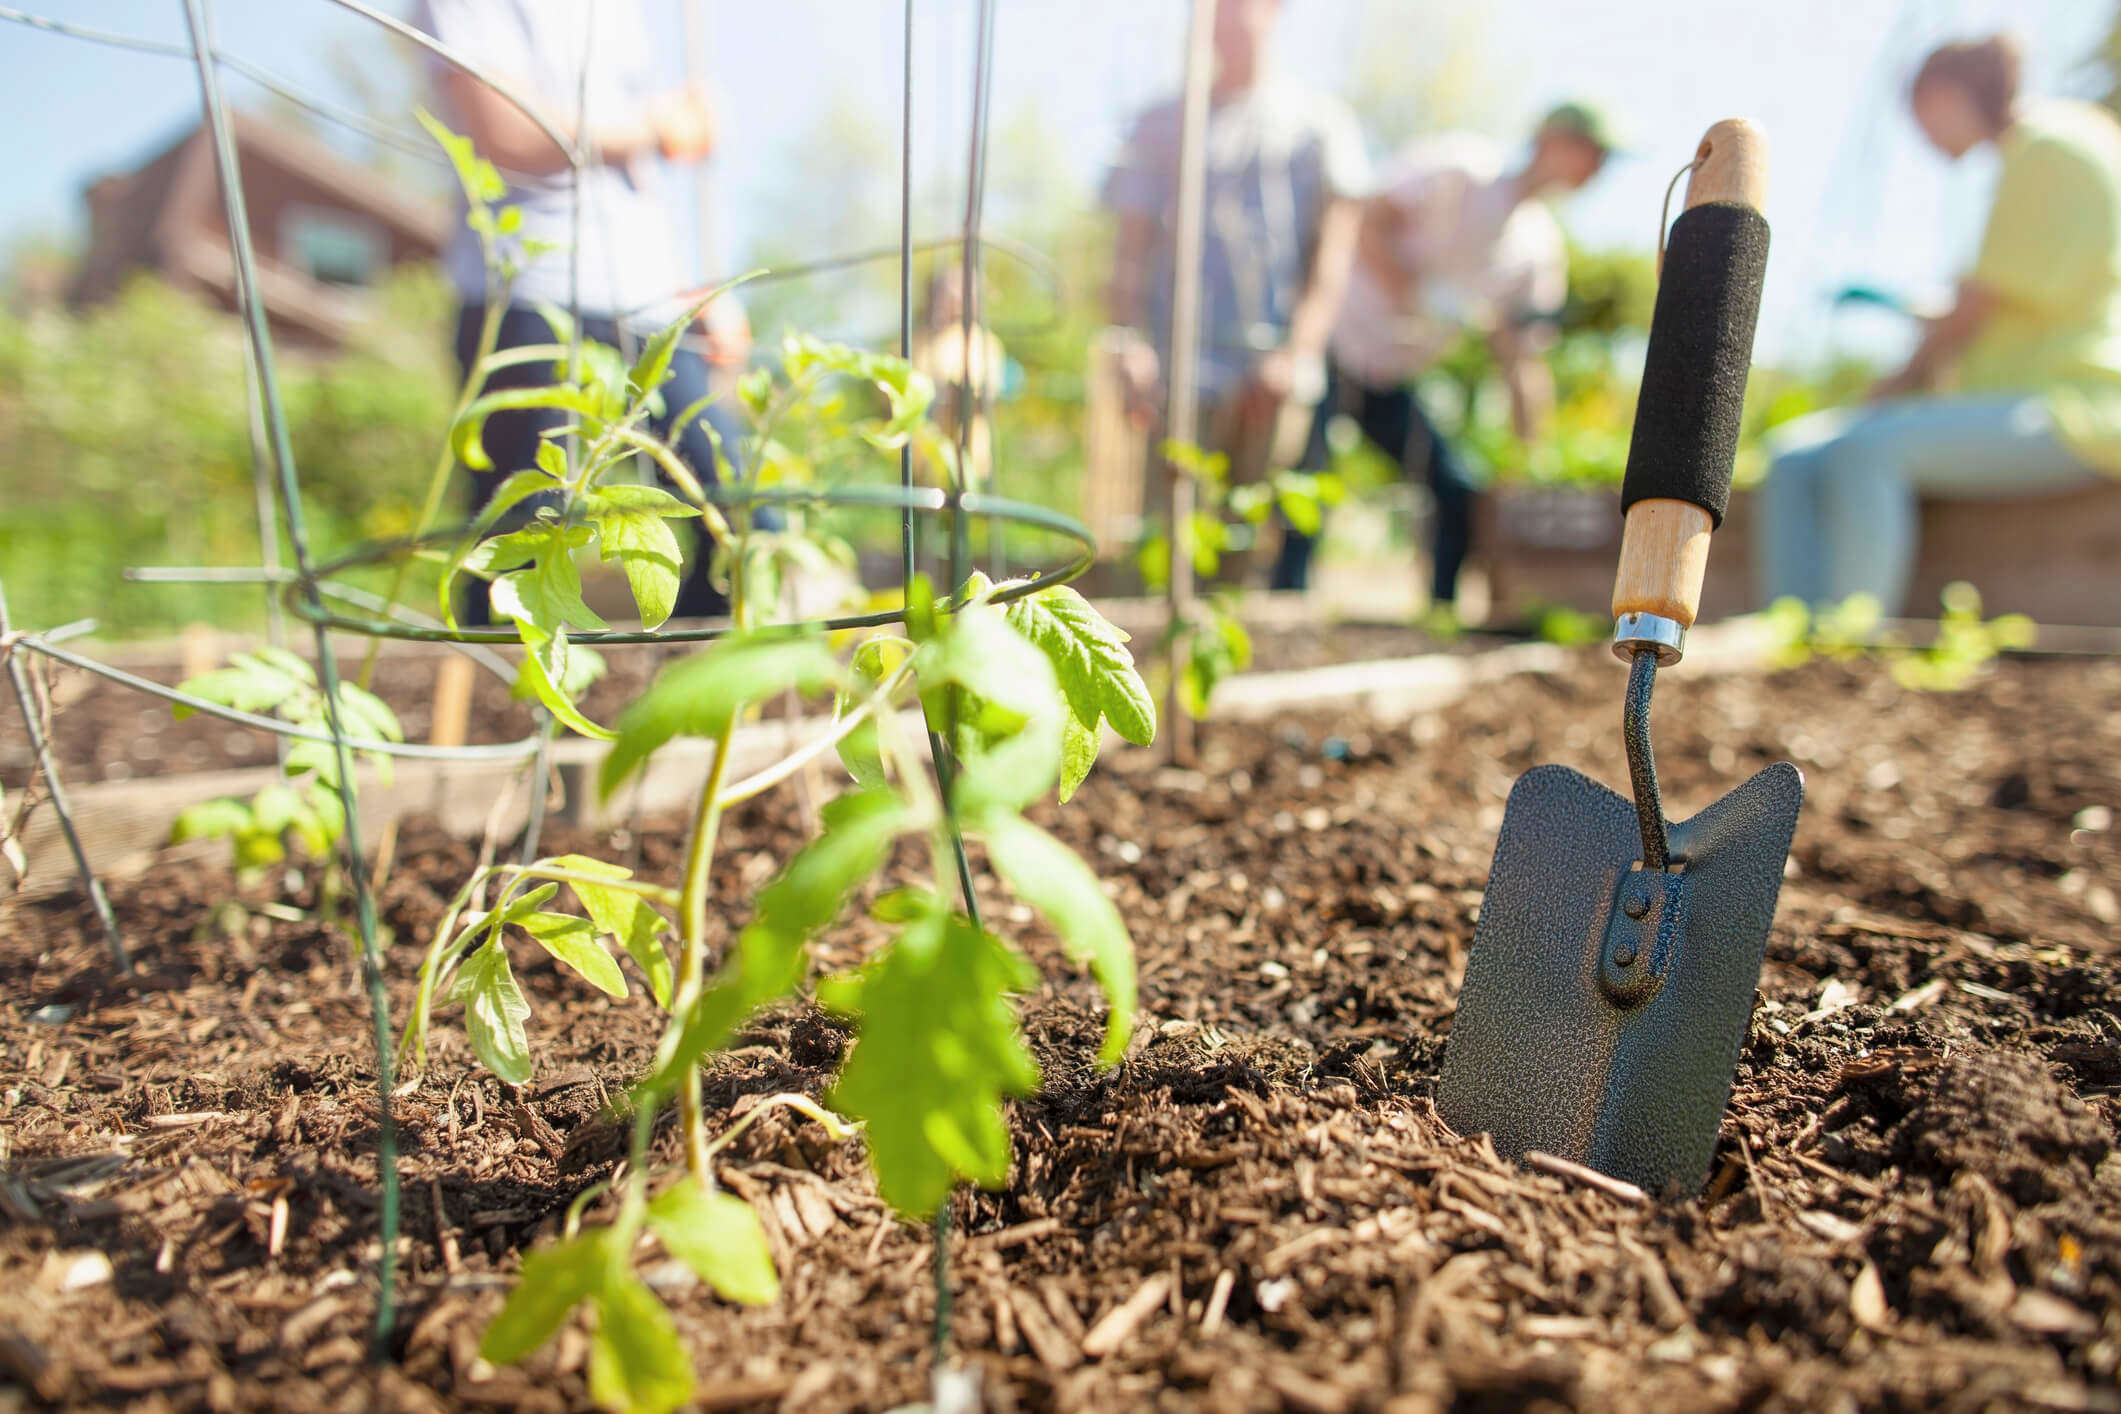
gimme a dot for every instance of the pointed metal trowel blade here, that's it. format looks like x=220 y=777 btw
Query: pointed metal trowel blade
x=1602 y=1034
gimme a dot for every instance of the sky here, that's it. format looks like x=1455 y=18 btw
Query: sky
x=1855 y=196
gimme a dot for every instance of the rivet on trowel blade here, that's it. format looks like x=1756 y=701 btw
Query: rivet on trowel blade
x=1642 y=935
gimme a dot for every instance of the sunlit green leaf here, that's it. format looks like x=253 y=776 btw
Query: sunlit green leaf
x=701 y=695
x=574 y=941
x=482 y=184
x=1054 y=880
x=647 y=550
x=1079 y=748
x=211 y=819
x=531 y=680
x=626 y=917
x=637 y=1365
x=466 y=435
x=556 y=1277
x=1090 y=659
x=720 y=1238
x=494 y=1011
x=262 y=681
x=939 y=1050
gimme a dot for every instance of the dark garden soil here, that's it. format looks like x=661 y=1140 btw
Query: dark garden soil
x=105 y=731
x=1916 y=1201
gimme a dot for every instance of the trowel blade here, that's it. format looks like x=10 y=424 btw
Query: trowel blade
x=1543 y=1054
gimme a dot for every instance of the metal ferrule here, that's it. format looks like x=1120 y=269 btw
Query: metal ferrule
x=1652 y=633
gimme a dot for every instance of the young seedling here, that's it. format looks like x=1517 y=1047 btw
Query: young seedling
x=1211 y=644
x=304 y=807
x=1964 y=646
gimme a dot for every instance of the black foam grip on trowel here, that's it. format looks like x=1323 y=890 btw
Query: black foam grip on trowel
x=1701 y=345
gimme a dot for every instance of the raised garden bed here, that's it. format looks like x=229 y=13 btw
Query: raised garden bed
x=1915 y=1202
x=2057 y=558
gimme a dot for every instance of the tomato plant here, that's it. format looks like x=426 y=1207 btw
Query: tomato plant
x=1017 y=689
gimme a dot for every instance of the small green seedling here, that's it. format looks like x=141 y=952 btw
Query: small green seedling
x=1964 y=646
x=1210 y=643
x=303 y=808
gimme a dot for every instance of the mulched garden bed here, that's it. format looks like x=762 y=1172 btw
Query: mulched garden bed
x=1916 y=1202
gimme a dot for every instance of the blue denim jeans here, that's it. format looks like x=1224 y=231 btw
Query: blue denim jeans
x=1393 y=419
x=511 y=438
x=1839 y=512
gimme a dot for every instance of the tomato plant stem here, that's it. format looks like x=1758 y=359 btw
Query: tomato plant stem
x=692 y=934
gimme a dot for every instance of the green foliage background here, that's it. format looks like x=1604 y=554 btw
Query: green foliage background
x=125 y=440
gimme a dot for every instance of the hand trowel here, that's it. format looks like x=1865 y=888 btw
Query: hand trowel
x=1614 y=964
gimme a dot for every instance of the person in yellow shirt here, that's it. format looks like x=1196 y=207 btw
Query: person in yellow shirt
x=2014 y=391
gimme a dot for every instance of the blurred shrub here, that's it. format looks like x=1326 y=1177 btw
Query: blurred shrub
x=125 y=440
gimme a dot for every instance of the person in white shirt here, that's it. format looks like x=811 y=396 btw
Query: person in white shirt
x=1456 y=239
x=629 y=274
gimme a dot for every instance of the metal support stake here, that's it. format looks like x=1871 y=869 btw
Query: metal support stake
x=275 y=413
x=18 y=679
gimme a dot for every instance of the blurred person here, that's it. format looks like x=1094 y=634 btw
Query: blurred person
x=939 y=346
x=1456 y=239
x=629 y=258
x=2015 y=390
x=1285 y=173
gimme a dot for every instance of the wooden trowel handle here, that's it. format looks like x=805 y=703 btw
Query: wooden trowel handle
x=1693 y=388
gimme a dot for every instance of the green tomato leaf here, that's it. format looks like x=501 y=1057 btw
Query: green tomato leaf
x=532 y=681
x=555 y=1279
x=720 y=1238
x=1008 y=680
x=481 y=182
x=636 y=1363
x=1055 y=881
x=647 y=550
x=856 y=833
x=702 y=694
x=574 y=942
x=1090 y=658
x=1079 y=748
x=625 y=917
x=268 y=680
x=494 y=1010
x=643 y=500
x=653 y=366
x=584 y=666
x=549 y=593
x=275 y=808
x=860 y=751
x=211 y=819
x=939 y=1050
x=1014 y=770
x=498 y=553
x=522 y=905
x=467 y=434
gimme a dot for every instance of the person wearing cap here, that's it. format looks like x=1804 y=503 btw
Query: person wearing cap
x=1457 y=238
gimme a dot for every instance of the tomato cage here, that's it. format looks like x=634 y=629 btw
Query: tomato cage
x=313 y=591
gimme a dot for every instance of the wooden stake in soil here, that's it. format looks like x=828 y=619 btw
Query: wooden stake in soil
x=1182 y=413
x=452 y=701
